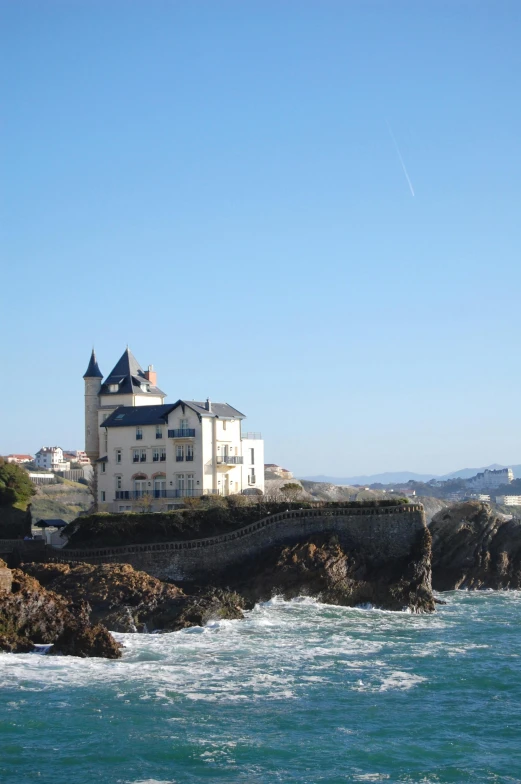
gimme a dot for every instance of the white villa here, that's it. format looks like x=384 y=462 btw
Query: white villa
x=51 y=459
x=147 y=450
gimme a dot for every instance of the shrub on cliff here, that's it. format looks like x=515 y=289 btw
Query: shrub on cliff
x=15 y=486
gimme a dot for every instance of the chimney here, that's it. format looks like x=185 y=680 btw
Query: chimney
x=208 y=405
x=151 y=375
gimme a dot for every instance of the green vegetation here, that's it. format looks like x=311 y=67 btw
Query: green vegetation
x=16 y=488
x=207 y=518
x=65 y=500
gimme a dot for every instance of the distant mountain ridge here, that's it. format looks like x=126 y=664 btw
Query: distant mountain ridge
x=392 y=477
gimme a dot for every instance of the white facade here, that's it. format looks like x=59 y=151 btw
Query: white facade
x=158 y=455
x=50 y=458
x=509 y=500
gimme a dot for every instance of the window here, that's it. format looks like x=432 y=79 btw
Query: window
x=189 y=451
x=252 y=456
x=118 y=483
x=118 y=455
x=180 y=481
x=103 y=468
x=113 y=387
x=135 y=455
x=179 y=453
x=103 y=495
x=142 y=455
x=224 y=424
x=122 y=508
x=140 y=487
x=160 y=487
x=162 y=454
x=159 y=431
x=251 y=478
x=190 y=484
x=155 y=455
x=139 y=434
x=183 y=424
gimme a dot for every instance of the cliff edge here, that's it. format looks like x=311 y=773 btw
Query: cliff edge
x=475 y=547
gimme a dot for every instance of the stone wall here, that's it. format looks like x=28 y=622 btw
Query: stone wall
x=382 y=534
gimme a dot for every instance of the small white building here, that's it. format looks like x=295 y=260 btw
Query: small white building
x=50 y=458
x=152 y=453
x=76 y=456
x=509 y=500
x=273 y=468
x=19 y=459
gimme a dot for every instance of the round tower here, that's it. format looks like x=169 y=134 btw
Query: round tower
x=93 y=378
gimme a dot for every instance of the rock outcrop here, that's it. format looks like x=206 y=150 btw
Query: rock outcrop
x=30 y=614
x=128 y=600
x=323 y=568
x=475 y=547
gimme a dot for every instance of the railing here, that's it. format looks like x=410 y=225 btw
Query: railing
x=238 y=533
x=230 y=460
x=160 y=459
x=135 y=495
x=186 y=432
x=252 y=436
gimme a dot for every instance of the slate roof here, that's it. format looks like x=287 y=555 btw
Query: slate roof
x=221 y=410
x=128 y=375
x=128 y=416
x=93 y=370
x=136 y=416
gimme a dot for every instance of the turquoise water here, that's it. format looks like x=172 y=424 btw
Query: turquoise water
x=298 y=692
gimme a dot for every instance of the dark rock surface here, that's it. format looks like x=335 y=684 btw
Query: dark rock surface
x=475 y=547
x=322 y=568
x=127 y=600
x=30 y=614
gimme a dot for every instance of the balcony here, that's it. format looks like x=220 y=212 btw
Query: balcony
x=186 y=432
x=230 y=459
x=135 y=495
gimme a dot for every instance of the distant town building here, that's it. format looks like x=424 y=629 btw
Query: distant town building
x=509 y=500
x=41 y=479
x=273 y=468
x=490 y=479
x=479 y=497
x=76 y=456
x=19 y=459
x=50 y=458
x=148 y=452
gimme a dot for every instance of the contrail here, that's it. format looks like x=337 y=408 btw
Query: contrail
x=400 y=157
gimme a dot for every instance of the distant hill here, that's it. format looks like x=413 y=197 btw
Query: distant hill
x=399 y=477
x=386 y=478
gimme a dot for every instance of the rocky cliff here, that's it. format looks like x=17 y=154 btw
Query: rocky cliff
x=475 y=547
x=30 y=614
x=128 y=600
x=324 y=568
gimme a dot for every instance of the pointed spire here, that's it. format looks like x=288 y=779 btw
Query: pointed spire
x=93 y=370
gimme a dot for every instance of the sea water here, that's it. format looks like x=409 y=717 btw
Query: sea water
x=297 y=692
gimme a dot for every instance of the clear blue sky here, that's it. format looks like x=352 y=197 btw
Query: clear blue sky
x=215 y=184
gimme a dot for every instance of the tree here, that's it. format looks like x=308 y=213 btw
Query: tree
x=15 y=485
x=291 y=490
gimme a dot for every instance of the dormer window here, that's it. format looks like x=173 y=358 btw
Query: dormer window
x=145 y=387
x=139 y=434
x=113 y=387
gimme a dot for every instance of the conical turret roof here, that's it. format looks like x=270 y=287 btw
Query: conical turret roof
x=93 y=370
x=128 y=376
